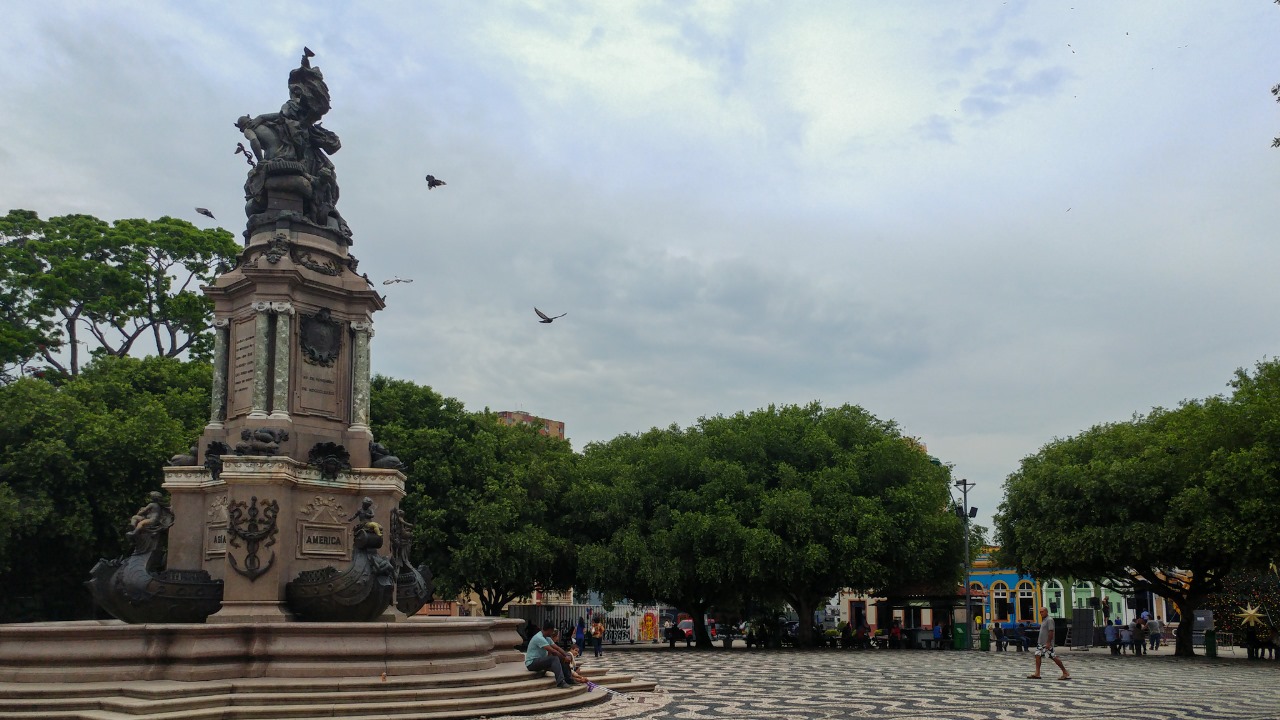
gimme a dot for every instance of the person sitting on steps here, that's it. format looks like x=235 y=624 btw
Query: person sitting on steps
x=543 y=655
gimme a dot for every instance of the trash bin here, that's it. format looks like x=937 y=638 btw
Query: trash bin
x=1210 y=643
x=984 y=639
x=959 y=639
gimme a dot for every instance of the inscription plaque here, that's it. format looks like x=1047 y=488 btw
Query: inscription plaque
x=329 y=540
x=244 y=346
x=215 y=540
x=318 y=390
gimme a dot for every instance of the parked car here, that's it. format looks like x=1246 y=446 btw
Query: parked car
x=687 y=627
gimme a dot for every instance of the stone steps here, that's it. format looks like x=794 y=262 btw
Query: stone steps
x=504 y=690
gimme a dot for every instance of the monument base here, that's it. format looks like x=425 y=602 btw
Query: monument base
x=108 y=651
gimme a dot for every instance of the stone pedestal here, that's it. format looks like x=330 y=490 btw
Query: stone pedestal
x=264 y=520
x=292 y=323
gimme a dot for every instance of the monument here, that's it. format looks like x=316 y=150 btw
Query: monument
x=287 y=461
x=282 y=551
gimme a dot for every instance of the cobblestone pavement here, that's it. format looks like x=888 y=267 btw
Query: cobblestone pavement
x=928 y=685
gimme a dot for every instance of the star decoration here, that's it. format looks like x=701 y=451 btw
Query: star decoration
x=1250 y=616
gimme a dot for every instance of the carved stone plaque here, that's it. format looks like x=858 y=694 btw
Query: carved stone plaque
x=243 y=346
x=215 y=540
x=318 y=390
x=320 y=337
x=328 y=540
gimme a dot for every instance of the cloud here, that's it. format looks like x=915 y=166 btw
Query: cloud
x=736 y=204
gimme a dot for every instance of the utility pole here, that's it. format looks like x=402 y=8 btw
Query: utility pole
x=965 y=514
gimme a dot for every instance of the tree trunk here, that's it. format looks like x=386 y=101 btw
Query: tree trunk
x=805 y=635
x=1185 y=646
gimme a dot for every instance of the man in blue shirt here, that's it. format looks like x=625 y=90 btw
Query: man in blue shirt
x=543 y=655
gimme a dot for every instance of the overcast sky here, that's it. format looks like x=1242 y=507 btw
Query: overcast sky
x=994 y=222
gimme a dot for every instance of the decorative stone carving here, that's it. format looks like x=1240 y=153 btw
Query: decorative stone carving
x=187 y=460
x=320 y=338
x=218 y=510
x=293 y=151
x=363 y=514
x=277 y=247
x=308 y=261
x=136 y=588
x=359 y=593
x=244 y=524
x=414 y=586
x=330 y=458
x=213 y=457
x=322 y=509
x=380 y=457
x=263 y=441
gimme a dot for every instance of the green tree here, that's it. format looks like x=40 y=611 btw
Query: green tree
x=661 y=514
x=1171 y=502
x=487 y=500
x=76 y=460
x=72 y=279
x=789 y=503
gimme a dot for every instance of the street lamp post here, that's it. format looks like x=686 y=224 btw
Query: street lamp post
x=965 y=514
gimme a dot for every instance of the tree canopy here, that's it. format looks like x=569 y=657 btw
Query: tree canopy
x=487 y=499
x=76 y=460
x=1170 y=502
x=73 y=279
x=792 y=503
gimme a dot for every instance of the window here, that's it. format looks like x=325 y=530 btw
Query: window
x=1053 y=597
x=1000 y=601
x=1082 y=593
x=1027 y=602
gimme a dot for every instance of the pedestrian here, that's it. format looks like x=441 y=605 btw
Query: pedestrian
x=1015 y=635
x=998 y=632
x=597 y=636
x=895 y=634
x=1139 y=629
x=1126 y=637
x=1111 y=634
x=1155 y=632
x=1045 y=647
x=543 y=655
x=580 y=635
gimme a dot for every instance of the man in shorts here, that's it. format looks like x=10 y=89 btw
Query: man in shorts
x=1044 y=646
x=543 y=655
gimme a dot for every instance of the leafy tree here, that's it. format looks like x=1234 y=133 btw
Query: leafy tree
x=74 y=278
x=792 y=503
x=663 y=518
x=76 y=460
x=1171 y=502
x=485 y=498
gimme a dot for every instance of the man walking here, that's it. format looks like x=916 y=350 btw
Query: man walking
x=543 y=655
x=1044 y=646
x=1155 y=633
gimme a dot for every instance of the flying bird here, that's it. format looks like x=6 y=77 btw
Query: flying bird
x=205 y=212
x=393 y=281
x=544 y=317
x=433 y=182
